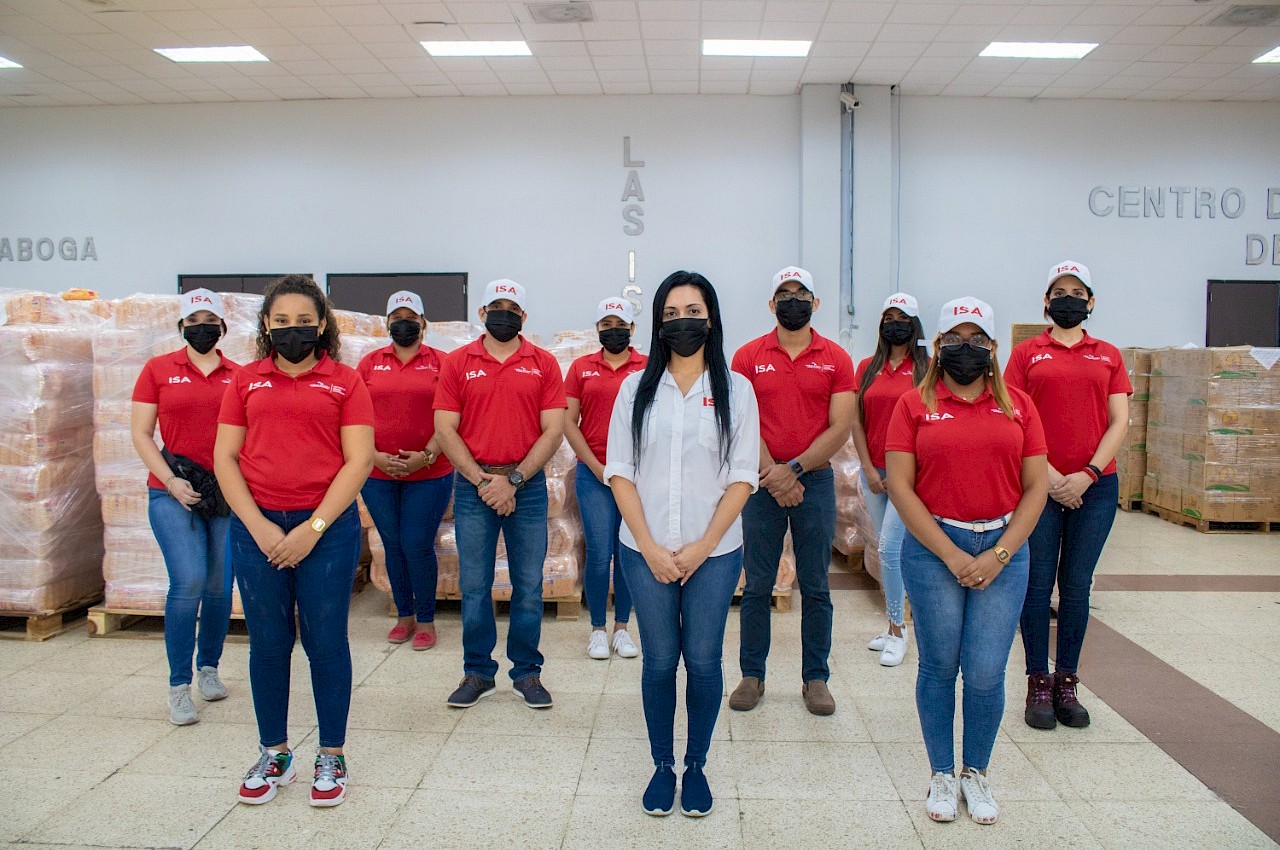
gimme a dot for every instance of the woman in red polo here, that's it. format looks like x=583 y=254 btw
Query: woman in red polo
x=967 y=473
x=592 y=387
x=412 y=479
x=183 y=390
x=295 y=444
x=1081 y=388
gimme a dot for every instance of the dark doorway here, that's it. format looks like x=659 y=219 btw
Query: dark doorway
x=253 y=284
x=444 y=294
x=1243 y=312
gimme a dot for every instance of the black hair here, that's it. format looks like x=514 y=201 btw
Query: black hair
x=916 y=351
x=298 y=284
x=660 y=355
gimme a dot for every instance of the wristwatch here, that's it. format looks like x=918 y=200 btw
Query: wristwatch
x=318 y=525
x=796 y=467
x=1002 y=555
x=516 y=478
x=428 y=457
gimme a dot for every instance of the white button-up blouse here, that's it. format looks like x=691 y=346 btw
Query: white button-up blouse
x=678 y=475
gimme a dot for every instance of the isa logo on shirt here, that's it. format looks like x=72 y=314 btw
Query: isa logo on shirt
x=180 y=380
x=708 y=401
x=1039 y=357
x=475 y=373
x=767 y=367
x=382 y=368
x=937 y=417
x=257 y=385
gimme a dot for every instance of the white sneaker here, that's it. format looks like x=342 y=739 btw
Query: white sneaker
x=623 y=645
x=942 y=805
x=877 y=643
x=895 y=649
x=182 y=711
x=978 y=798
x=598 y=646
x=209 y=685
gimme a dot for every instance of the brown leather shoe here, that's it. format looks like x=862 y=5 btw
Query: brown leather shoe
x=747 y=694
x=817 y=698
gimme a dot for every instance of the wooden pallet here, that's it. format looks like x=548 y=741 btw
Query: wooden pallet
x=1131 y=505
x=851 y=562
x=41 y=625
x=781 y=599
x=1212 y=526
x=104 y=621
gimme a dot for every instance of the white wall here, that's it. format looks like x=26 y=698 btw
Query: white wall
x=995 y=191
x=527 y=188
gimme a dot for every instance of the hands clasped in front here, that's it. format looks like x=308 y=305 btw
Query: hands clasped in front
x=670 y=566
x=976 y=573
x=783 y=485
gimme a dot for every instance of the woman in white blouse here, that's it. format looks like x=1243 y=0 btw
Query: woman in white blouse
x=683 y=454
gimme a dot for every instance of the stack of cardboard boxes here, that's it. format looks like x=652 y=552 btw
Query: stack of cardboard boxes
x=1131 y=459
x=1213 y=434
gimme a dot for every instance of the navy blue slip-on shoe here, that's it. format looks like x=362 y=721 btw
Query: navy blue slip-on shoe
x=695 y=793
x=660 y=796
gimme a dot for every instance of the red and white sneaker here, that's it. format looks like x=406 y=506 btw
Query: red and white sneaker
x=329 y=788
x=272 y=770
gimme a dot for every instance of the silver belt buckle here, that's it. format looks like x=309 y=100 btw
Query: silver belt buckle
x=979 y=527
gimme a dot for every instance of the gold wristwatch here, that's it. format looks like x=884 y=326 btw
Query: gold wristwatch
x=318 y=525
x=1002 y=555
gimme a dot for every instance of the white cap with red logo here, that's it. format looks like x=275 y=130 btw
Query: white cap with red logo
x=505 y=289
x=405 y=298
x=961 y=310
x=792 y=273
x=619 y=307
x=1071 y=267
x=197 y=300
x=904 y=302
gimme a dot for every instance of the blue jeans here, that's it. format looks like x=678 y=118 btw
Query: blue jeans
x=525 y=532
x=686 y=622
x=600 y=524
x=889 y=532
x=320 y=587
x=813 y=527
x=407 y=515
x=958 y=628
x=1065 y=546
x=195 y=555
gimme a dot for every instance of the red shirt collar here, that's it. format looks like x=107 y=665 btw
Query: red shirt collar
x=424 y=352
x=598 y=358
x=771 y=341
x=943 y=392
x=1045 y=340
x=324 y=366
x=477 y=348
x=182 y=357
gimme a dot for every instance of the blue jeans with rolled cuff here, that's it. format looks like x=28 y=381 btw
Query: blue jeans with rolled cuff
x=600 y=524
x=889 y=532
x=407 y=515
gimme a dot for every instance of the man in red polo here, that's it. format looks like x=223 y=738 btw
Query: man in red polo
x=499 y=412
x=804 y=384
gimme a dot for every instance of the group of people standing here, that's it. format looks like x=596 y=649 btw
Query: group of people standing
x=985 y=490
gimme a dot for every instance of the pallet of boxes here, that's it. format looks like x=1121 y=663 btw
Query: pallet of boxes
x=1213 y=438
x=1131 y=459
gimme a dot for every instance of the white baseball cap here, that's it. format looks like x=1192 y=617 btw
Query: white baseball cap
x=967 y=309
x=405 y=298
x=197 y=300
x=1071 y=267
x=904 y=302
x=619 y=307
x=792 y=273
x=504 y=288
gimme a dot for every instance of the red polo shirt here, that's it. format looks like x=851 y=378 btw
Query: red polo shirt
x=794 y=395
x=186 y=402
x=968 y=454
x=879 y=400
x=293 y=447
x=402 y=395
x=1070 y=387
x=595 y=384
x=501 y=403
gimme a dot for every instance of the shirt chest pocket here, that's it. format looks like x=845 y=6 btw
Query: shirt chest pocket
x=708 y=432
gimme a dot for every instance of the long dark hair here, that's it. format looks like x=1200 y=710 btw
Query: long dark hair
x=916 y=351
x=298 y=284
x=660 y=356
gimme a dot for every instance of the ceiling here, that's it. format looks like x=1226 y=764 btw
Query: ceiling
x=91 y=52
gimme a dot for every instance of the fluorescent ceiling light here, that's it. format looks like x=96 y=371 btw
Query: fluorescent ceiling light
x=1038 y=49
x=477 y=48
x=1270 y=57
x=243 y=53
x=9 y=63
x=754 y=47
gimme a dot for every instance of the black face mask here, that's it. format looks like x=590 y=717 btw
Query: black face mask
x=503 y=325
x=794 y=314
x=296 y=343
x=615 y=340
x=965 y=363
x=202 y=337
x=1067 y=311
x=404 y=332
x=897 y=333
x=684 y=336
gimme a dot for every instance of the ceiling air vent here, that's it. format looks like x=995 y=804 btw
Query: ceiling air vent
x=560 y=13
x=1247 y=16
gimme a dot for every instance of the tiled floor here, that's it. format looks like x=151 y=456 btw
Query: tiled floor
x=90 y=759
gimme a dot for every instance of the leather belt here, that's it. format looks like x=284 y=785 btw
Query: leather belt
x=979 y=525
x=499 y=468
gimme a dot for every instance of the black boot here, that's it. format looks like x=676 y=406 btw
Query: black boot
x=1065 y=705
x=1039 y=713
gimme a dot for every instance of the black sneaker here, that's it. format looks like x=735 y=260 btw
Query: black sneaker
x=535 y=696
x=472 y=689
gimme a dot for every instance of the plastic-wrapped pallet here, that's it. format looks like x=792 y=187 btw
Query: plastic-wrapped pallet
x=51 y=537
x=854 y=534
x=1131 y=459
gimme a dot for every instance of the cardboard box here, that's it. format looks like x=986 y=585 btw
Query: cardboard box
x=1236 y=362
x=1021 y=332
x=1137 y=361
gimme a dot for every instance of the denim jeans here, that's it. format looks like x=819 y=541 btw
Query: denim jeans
x=961 y=629
x=320 y=587
x=525 y=532
x=889 y=532
x=686 y=622
x=195 y=555
x=600 y=524
x=813 y=527
x=1065 y=546
x=407 y=515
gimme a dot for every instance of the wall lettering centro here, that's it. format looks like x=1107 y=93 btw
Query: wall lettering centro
x=44 y=249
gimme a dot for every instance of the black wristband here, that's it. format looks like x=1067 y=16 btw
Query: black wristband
x=1097 y=473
